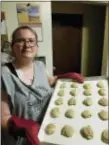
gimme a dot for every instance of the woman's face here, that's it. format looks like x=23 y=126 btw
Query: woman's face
x=25 y=45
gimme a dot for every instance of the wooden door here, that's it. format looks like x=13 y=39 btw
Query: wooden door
x=66 y=46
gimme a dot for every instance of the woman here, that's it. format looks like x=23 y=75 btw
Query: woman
x=26 y=90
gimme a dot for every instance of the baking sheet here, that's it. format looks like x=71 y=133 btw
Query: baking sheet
x=77 y=122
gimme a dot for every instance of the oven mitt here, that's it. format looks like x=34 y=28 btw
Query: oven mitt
x=72 y=75
x=24 y=128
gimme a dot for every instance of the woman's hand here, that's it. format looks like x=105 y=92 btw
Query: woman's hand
x=17 y=126
x=72 y=75
x=52 y=80
x=24 y=128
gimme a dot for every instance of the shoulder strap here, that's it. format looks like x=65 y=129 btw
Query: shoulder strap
x=11 y=68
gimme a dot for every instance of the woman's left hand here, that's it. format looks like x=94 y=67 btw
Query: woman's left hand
x=72 y=75
x=52 y=80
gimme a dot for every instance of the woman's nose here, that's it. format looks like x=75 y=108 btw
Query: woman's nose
x=26 y=43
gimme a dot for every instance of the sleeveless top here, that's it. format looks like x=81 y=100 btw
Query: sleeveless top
x=27 y=101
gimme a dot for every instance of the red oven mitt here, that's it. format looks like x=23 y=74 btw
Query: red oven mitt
x=24 y=128
x=72 y=75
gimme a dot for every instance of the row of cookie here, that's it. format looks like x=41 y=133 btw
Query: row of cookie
x=68 y=131
x=75 y=92
x=70 y=113
x=87 y=101
x=99 y=84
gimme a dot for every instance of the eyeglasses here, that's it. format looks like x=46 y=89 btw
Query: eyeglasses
x=21 y=42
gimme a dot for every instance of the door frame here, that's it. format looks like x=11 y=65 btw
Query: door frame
x=105 y=60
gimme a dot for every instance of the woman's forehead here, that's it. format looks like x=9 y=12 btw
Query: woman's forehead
x=25 y=33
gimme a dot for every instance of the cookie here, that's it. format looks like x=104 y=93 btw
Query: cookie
x=88 y=101
x=103 y=114
x=55 y=112
x=102 y=92
x=73 y=92
x=87 y=86
x=105 y=136
x=87 y=92
x=103 y=101
x=59 y=101
x=74 y=85
x=67 y=131
x=69 y=113
x=50 y=129
x=72 y=101
x=86 y=114
x=63 y=85
x=87 y=132
x=61 y=92
x=100 y=84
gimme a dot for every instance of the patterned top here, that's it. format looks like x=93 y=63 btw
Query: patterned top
x=27 y=101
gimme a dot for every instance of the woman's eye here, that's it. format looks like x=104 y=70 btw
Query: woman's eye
x=19 y=40
x=31 y=40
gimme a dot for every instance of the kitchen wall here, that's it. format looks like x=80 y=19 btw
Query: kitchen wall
x=45 y=47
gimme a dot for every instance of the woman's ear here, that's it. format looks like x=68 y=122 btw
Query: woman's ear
x=37 y=47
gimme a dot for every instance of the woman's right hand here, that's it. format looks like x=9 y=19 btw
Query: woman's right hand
x=18 y=126
x=24 y=128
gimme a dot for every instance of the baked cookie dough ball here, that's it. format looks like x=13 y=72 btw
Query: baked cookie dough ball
x=103 y=101
x=72 y=101
x=105 y=136
x=55 y=112
x=73 y=92
x=61 y=92
x=69 y=113
x=59 y=101
x=100 y=84
x=87 y=92
x=74 y=85
x=87 y=132
x=67 y=131
x=103 y=114
x=86 y=114
x=63 y=85
x=102 y=92
x=87 y=86
x=88 y=101
x=50 y=129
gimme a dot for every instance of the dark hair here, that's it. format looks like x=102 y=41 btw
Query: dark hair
x=20 y=28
